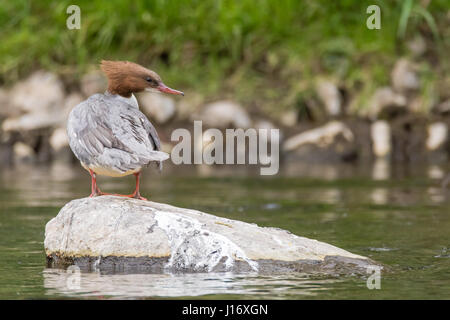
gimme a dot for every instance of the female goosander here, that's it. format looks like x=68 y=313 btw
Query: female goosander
x=108 y=133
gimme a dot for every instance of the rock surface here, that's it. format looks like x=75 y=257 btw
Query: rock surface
x=118 y=235
x=381 y=138
x=443 y=107
x=289 y=118
x=330 y=97
x=332 y=142
x=417 y=46
x=41 y=92
x=92 y=83
x=59 y=139
x=157 y=106
x=23 y=151
x=322 y=136
x=47 y=115
x=222 y=114
x=437 y=135
x=404 y=77
x=384 y=98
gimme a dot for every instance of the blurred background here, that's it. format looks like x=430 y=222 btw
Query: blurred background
x=293 y=65
x=363 y=115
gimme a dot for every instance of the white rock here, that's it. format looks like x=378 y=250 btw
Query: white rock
x=188 y=105
x=59 y=139
x=49 y=112
x=403 y=76
x=443 y=107
x=22 y=151
x=117 y=233
x=417 y=46
x=221 y=114
x=267 y=125
x=382 y=98
x=289 y=118
x=330 y=96
x=92 y=83
x=157 y=106
x=437 y=135
x=70 y=102
x=264 y=124
x=32 y=121
x=418 y=104
x=6 y=109
x=43 y=118
x=41 y=92
x=322 y=136
x=381 y=169
x=380 y=196
x=380 y=133
x=435 y=172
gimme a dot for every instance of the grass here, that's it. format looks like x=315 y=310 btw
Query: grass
x=265 y=53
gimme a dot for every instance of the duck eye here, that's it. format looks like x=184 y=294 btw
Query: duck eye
x=149 y=79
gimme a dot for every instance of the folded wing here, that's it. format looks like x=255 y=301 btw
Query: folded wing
x=109 y=133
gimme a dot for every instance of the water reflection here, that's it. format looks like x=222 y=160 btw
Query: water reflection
x=436 y=195
x=342 y=205
x=56 y=184
x=179 y=285
x=435 y=172
x=379 y=196
x=381 y=169
x=310 y=170
x=331 y=195
x=36 y=186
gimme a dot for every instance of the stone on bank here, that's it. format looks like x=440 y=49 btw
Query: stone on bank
x=120 y=235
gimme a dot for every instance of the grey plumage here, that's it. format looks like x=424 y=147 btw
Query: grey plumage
x=109 y=131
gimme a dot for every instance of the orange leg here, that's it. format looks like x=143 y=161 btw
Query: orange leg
x=136 y=194
x=95 y=191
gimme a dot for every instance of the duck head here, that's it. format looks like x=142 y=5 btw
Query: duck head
x=125 y=78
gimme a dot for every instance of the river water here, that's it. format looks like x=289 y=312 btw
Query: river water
x=396 y=216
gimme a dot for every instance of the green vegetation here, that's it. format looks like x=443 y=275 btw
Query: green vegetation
x=265 y=53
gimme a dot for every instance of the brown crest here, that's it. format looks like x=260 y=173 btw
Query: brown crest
x=126 y=77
